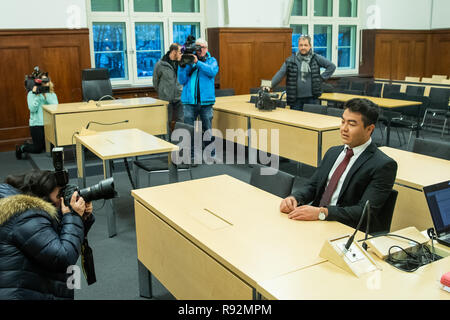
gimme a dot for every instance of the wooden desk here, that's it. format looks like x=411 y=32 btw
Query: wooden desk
x=381 y=102
x=327 y=281
x=61 y=121
x=414 y=172
x=212 y=243
x=110 y=145
x=303 y=136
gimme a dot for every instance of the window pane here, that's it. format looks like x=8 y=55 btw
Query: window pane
x=149 y=47
x=147 y=6
x=347 y=47
x=300 y=8
x=348 y=8
x=107 y=5
x=110 y=48
x=185 y=6
x=322 y=40
x=181 y=30
x=323 y=8
x=297 y=31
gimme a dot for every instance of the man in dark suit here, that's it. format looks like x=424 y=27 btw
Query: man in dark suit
x=348 y=175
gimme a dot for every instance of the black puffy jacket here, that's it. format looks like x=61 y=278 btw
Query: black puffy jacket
x=37 y=245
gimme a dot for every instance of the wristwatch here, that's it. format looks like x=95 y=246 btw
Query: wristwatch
x=322 y=215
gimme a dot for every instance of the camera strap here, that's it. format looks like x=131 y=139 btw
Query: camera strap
x=87 y=262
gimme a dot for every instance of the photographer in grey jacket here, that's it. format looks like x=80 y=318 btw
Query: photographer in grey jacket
x=166 y=83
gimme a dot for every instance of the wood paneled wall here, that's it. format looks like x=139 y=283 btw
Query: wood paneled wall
x=61 y=52
x=247 y=55
x=395 y=54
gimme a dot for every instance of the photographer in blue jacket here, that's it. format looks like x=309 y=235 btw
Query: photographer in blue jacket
x=197 y=78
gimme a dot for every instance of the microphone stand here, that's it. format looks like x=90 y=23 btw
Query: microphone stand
x=350 y=240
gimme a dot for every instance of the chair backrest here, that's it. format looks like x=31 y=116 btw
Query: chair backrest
x=254 y=90
x=374 y=89
x=358 y=85
x=224 y=92
x=279 y=184
x=343 y=83
x=95 y=84
x=439 y=97
x=385 y=214
x=412 y=111
x=315 y=108
x=335 y=112
x=432 y=148
x=438 y=76
x=388 y=88
x=349 y=91
x=415 y=90
x=412 y=79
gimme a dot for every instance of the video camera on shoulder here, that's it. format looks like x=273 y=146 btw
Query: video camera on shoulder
x=189 y=49
x=37 y=79
x=102 y=190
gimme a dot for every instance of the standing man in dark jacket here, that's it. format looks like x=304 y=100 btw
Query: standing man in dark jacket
x=166 y=83
x=38 y=243
x=303 y=78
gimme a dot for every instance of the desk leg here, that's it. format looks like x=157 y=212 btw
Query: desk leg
x=319 y=148
x=81 y=165
x=388 y=132
x=110 y=209
x=252 y=152
x=256 y=295
x=173 y=172
x=145 y=281
x=136 y=173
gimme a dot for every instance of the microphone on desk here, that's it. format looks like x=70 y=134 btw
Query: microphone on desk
x=105 y=124
x=105 y=96
x=350 y=240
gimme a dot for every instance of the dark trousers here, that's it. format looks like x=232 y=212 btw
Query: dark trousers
x=299 y=102
x=191 y=112
x=38 y=136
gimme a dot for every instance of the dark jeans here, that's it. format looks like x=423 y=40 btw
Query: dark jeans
x=299 y=102
x=38 y=136
x=191 y=112
x=175 y=111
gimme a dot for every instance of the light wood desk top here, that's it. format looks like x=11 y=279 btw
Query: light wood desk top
x=418 y=170
x=240 y=105
x=240 y=226
x=124 y=143
x=103 y=105
x=382 y=102
x=328 y=281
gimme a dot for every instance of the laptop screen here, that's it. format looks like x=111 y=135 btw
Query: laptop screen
x=438 y=199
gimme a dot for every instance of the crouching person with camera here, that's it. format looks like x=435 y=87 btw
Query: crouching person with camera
x=40 y=237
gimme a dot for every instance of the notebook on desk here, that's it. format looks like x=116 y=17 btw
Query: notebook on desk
x=438 y=199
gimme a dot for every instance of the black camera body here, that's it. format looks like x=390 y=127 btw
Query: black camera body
x=264 y=100
x=102 y=190
x=36 y=79
x=188 y=50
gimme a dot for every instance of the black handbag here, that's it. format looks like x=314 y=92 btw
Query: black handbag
x=87 y=262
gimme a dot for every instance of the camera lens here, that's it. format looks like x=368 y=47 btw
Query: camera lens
x=102 y=190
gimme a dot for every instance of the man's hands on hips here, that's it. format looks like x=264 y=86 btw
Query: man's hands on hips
x=305 y=212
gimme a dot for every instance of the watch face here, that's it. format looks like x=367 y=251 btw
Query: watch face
x=321 y=215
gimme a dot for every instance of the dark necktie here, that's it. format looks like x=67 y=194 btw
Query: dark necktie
x=329 y=190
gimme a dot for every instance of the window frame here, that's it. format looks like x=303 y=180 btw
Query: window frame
x=130 y=18
x=335 y=21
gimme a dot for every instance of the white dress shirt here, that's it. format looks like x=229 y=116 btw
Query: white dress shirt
x=356 y=153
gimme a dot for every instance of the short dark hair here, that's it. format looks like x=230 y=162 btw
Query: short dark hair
x=368 y=110
x=174 y=46
x=35 y=183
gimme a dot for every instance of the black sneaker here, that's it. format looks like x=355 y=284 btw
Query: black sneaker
x=18 y=152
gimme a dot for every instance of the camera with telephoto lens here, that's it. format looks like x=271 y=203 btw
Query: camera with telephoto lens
x=102 y=190
x=264 y=100
x=39 y=80
x=189 y=49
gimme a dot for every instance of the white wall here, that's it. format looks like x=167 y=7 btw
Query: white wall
x=27 y=14
x=441 y=14
x=396 y=14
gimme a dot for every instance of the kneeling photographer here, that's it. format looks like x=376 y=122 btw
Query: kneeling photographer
x=40 y=236
x=40 y=92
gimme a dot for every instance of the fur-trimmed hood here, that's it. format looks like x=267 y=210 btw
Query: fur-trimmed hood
x=20 y=203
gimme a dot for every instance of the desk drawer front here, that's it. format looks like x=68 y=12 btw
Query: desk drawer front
x=149 y=119
x=184 y=269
